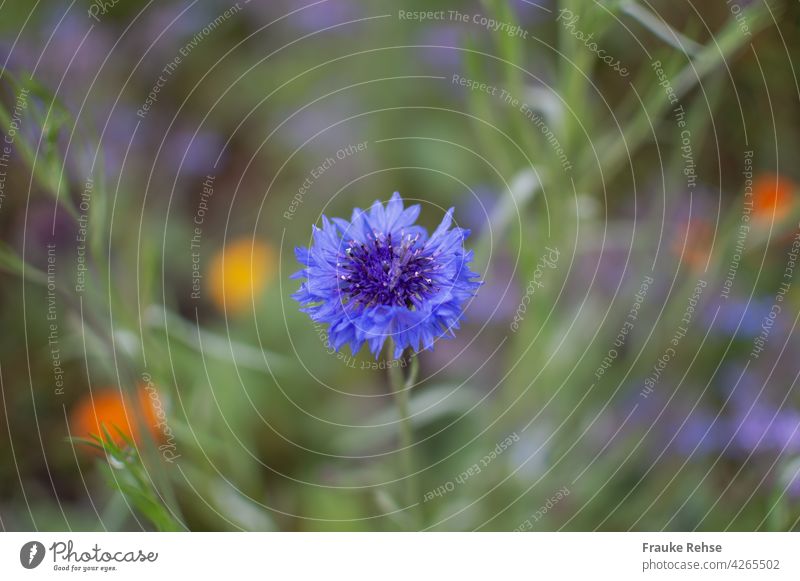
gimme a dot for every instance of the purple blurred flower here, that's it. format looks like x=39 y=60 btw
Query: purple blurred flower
x=195 y=154
x=793 y=487
x=117 y=130
x=443 y=35
x=605 y=269
x=164 y=30
x=44 y=226
x=530 y=12
x=175 y=22
x=326 y=14
x=17 y=58
x=72 y=45
x=500 y=297
x=323 y=124
x=311 y=15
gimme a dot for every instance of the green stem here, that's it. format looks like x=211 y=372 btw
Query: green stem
x=401 y=389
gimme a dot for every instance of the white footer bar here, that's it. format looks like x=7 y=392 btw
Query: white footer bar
x=388 y=556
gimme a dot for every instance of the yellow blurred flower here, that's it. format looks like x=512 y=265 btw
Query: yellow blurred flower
x=239 y=273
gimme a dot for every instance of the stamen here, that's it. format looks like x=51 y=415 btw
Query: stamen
x=387 y=275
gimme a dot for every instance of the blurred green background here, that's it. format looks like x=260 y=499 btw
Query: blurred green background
x=629 y=363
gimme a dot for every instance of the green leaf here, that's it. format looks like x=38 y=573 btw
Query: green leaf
x=214 y=345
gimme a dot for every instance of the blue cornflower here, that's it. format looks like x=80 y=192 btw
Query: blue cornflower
x=381 y=276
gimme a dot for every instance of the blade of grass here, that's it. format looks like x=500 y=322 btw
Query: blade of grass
x=661 y=29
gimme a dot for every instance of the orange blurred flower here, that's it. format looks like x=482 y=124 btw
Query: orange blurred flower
x=696 y=247
x=239 y=273
x=110 y=409
x=772 y=195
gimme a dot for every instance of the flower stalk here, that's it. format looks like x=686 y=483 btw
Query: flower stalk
x=401 y=391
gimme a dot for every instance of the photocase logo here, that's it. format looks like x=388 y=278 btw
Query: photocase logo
x=31 y=554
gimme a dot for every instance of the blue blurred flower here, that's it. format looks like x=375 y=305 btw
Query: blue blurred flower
x=748 y=316
x=381 y=276
x=701 y=433
x=766 y=428
x=481 y=202
x=748 y=423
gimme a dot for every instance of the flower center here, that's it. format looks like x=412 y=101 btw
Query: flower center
x=383 y=272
